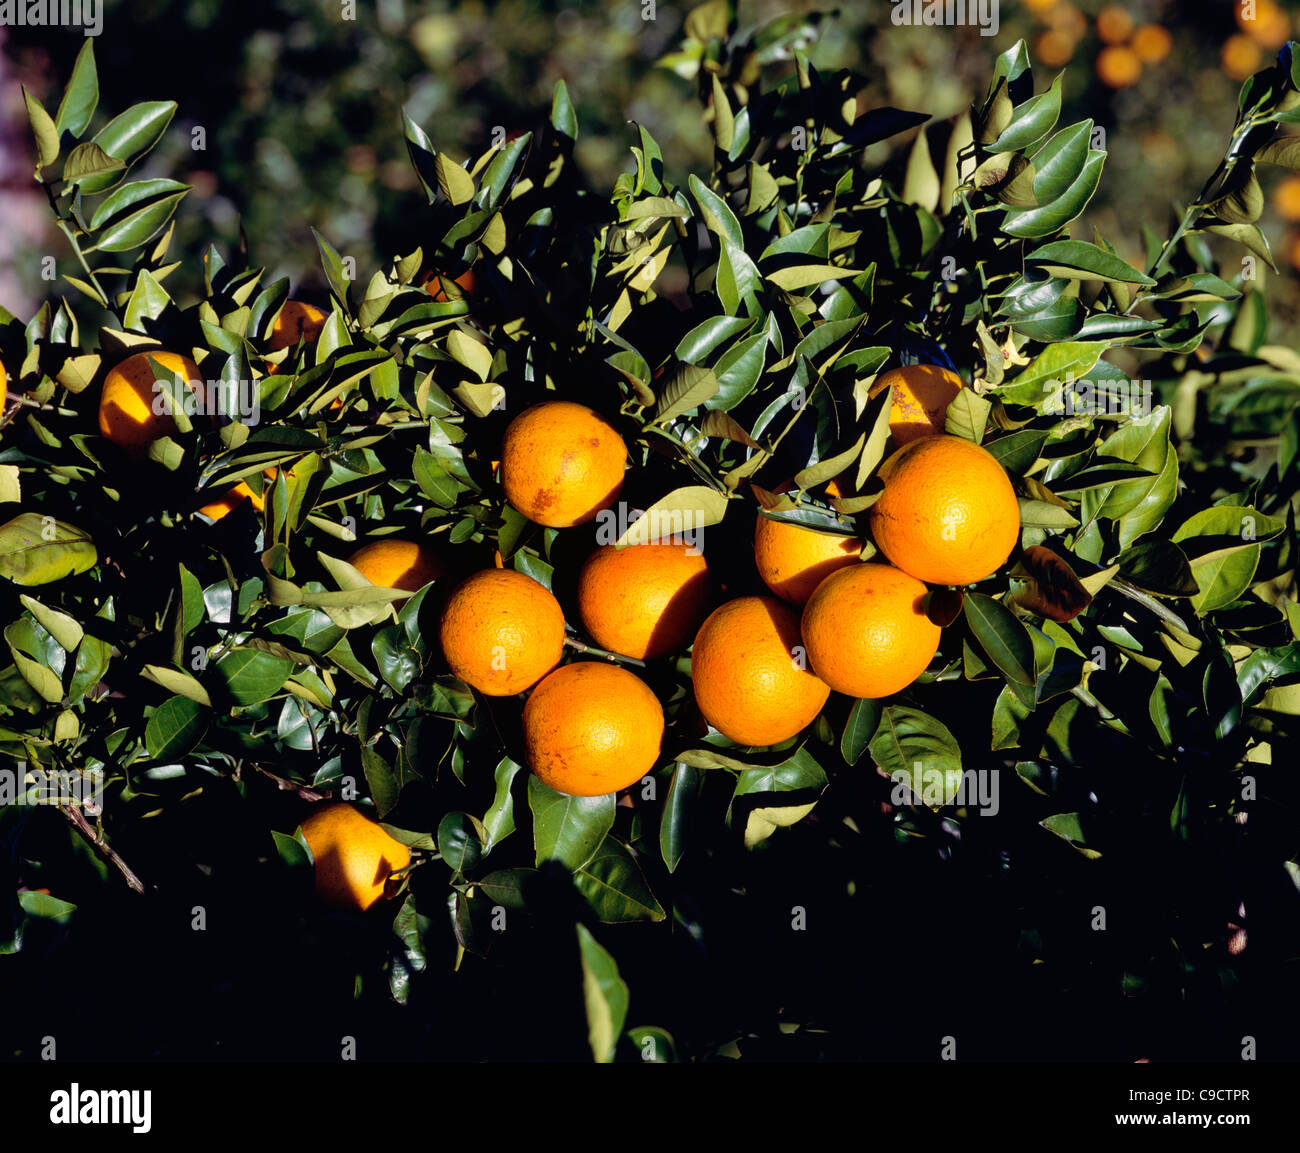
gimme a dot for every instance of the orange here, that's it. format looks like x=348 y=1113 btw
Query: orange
x=1240 y=57
x=434 y=285
x=751 y=679
x=561 y=463
x=866 y=631
x=397 y=564
x=297 y=320
x=645 y=600
x=4 y=386
x=1269 y=27
x=948 y=514
x=1286 y=197
x=1114 y=24
x=224 y=505
x=355 y=857
x=592 y=728
x=919 y=402
x=1065 y=17
x=126 y=404
x=1119 y=67
x=1054 y=48
x=502 y=631
x=1152 y=43
x=793 y=560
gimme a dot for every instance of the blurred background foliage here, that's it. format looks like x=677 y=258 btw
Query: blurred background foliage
x=300 y=108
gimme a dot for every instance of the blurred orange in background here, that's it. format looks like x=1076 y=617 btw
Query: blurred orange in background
x=1286 y=198
x=1269 y=26
x=1152 y=43
x=1240 y=56
x=1114 y=24
x=1118 y=66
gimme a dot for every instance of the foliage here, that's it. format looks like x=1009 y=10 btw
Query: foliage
x=1132 y=677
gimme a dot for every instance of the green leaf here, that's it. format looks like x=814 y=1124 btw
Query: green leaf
x=139 y=227
x=605 y=994
x=175 y=728
x=332 y=263
x=1076 y=260
x=798 y=276
x=683 y=512
x=563 y=118
x=615 y=887
x=62 y=627
x=737 y=279
x=568 y=829
x=37 y=550
x=917 y=751
x=1033 y=120
x=1067 y=827
x=129 y=137
x=46 y=907
x=738 y=370
x=459 y=841
x=718 y=217
x=682 y=791
x=1002 y=637
x=921 y=181
x=864 y=718
x=250 y=676
x=454 y=182
x=87 y=160
x=499 y=821
x=47 y=136
x=689 y=387
x=81 y=97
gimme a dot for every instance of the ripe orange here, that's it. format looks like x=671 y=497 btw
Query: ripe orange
x=948 y=514
x=793 y=560
x=1114 y=24
x=592 y=728
x=4 y=386
x=920 y=397
x=1240 y=57
x=1119 y=66
x=434 y=286
x=233 y=498
x=645 y=600
x=1152 y=43
x=561 y=463
x=397 y=564
x=355 y=857
x=748 y=670
x=297 y=320
x=866 y=631
x=126 y=404
x=502 y=631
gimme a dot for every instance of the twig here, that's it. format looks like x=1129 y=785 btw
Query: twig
x=306 y=793
x=582 y=647
x=79 y=822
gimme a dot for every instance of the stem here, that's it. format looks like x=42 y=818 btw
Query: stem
x=79 y=822
x=591 y=650
x=81 y=259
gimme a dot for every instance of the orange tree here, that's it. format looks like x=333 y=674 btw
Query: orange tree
x=1083 y=802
